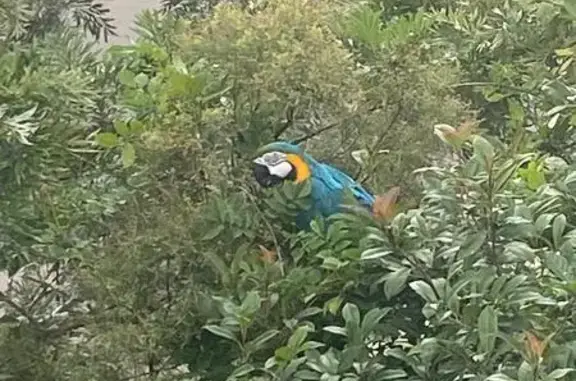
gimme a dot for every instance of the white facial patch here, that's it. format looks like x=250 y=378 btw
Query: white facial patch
x=271 y=158
x=281 y=170
x=276 y=162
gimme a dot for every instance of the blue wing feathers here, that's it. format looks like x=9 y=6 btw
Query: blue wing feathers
x=340 y=180
x=328 y=186
x=361 y=194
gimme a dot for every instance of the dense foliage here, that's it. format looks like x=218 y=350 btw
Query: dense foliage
x=139 y=248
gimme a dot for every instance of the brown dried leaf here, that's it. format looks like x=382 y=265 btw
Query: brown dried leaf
x=534 y=346
x=384 y=206
x=445 y=132
x=268 y=256
x=456 y=136
x=466 y=129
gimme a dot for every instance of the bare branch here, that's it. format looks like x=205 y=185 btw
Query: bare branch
x=289 y=112
x=21 y=310
x=385 y=133
x=315 y=133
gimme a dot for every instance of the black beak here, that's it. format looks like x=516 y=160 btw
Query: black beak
x=263 y=176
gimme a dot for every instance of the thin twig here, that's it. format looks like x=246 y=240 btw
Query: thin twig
x=46 y=287
x=499 y=85
x=372 y=150
x=269 y=227
x=21 y=310
x=315 y=133
x=57 y=332
x=289 y=112
x=149 y=373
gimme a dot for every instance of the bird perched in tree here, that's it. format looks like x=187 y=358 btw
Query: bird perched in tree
x=282 y=161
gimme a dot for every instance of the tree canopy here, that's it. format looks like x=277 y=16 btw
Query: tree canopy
x=138 y=246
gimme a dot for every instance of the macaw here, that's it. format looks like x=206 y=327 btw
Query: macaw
x=282 y=161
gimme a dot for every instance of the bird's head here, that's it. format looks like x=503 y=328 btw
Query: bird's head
x=280 y=161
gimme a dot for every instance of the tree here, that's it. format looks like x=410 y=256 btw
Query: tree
x=139 y=248
x=26 y=20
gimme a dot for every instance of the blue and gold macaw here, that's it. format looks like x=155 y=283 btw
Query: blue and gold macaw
x=282 y=161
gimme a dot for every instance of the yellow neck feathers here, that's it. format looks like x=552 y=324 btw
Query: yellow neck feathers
x=302 y=169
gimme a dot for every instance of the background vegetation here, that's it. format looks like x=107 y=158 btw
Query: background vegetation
x=139 y=247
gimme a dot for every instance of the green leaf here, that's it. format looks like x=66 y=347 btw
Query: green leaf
x=483 y=149
x=515 y=110
x=222 y=332
x=180 y=84
x=283 y=353
x=136 y=126
x=218 y=264
x=390 y=374
x=573 y=119
x=332 y=263
x=305 y=189
x=374 y=254
x=519 y=250
x=396 y=282
x=533 y=175
x=499 y=377
x=495 y=97
x=333 y=305
x=329 y=363
x=261 y=340
x=472 y=244
x=141 y=80
x=424 y=290
x=126 y=77
x=371 y=319
x=565 y=52
x=556 y=110
x=251 y=303
x=542 y=222
x=559 y=373
x=570 y=6
x=121 y=127
x=308 y=312
x=128 y=155
x=298 y=337
x=306 y=374
x=179 y=65
x=487 y=329
x=429 y=349
x=557 y=264
x=213 y=233
x=348 y=357
x=107 y=139
x=335 y=330
x=351 y=314
x=242 y=370
x=215 y=95
x=491 y=94
x=311 y=345
x=504 y=175
x=525 y=372
x=553 y=121
x=558 y=227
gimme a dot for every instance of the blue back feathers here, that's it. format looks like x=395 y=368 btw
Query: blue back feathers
x=328 y=185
